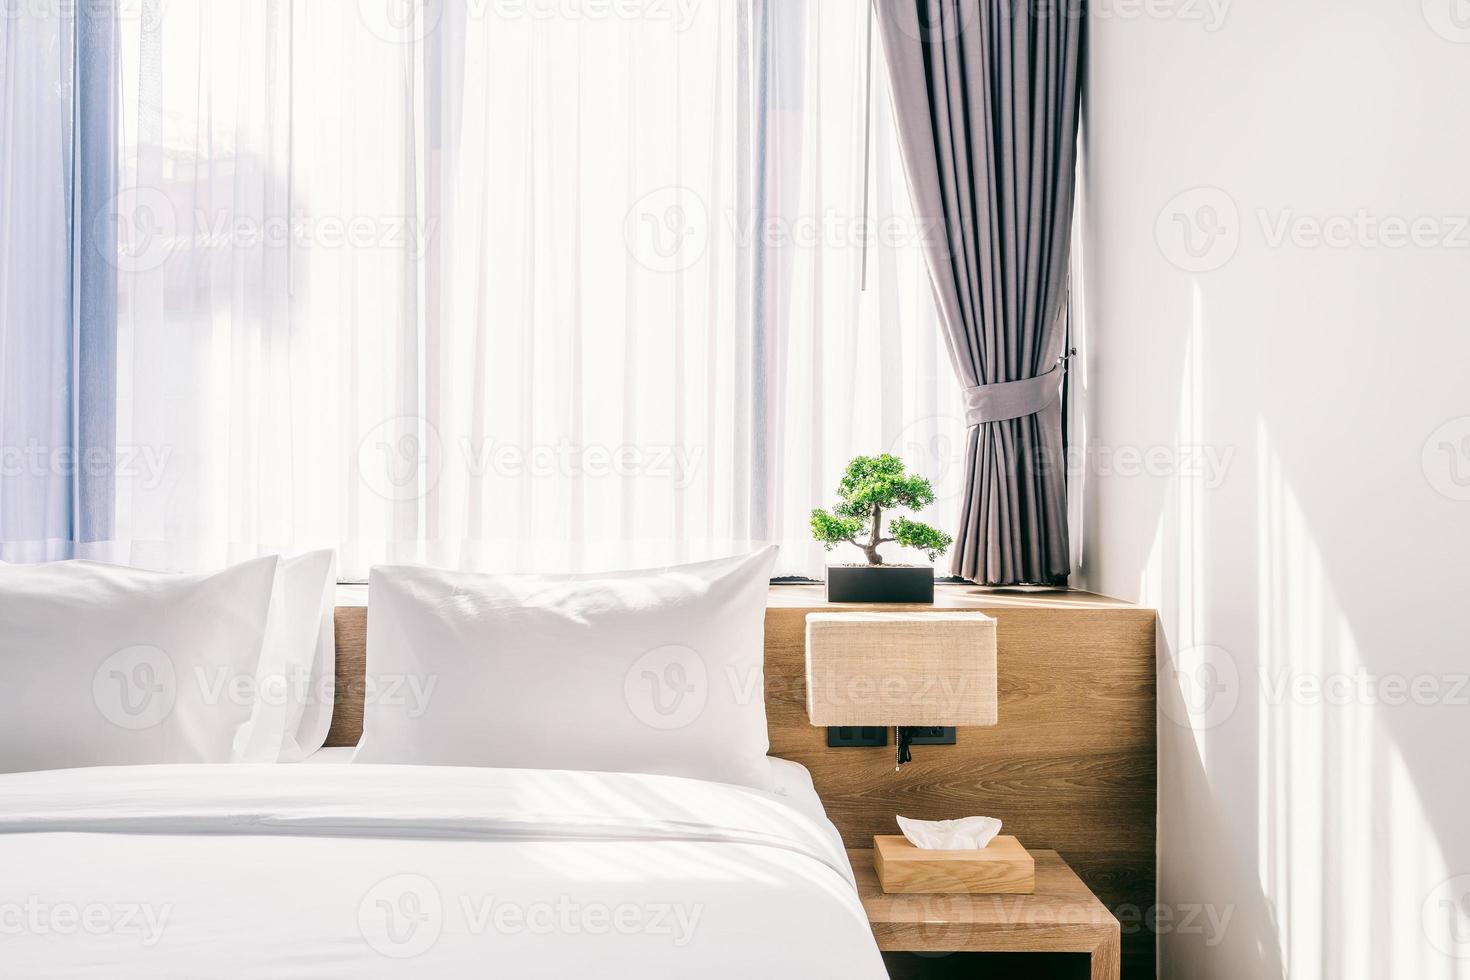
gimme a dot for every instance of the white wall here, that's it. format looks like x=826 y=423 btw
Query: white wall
x=1281 y=465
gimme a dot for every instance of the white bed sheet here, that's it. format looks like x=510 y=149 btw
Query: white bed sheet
x=791 y=781
x=391 y=871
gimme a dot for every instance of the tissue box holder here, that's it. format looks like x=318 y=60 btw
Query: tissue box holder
x=1002 y=868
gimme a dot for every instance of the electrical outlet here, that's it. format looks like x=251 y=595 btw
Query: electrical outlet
x=853 y=737
x=932 y=736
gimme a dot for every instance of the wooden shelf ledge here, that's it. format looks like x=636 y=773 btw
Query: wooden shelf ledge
x=1063 y=916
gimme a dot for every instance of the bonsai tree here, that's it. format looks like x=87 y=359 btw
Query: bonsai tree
x=870 y=486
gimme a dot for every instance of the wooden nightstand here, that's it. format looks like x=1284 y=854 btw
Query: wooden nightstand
x=1063 y=916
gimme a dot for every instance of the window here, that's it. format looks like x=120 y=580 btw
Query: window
x=510 y=286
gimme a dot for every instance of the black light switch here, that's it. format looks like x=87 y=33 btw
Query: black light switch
x=854 y=737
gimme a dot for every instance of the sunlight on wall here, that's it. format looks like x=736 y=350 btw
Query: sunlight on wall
x=1173 y=577
x=1172 y=581
x=1347 y=857
x=1342 y=874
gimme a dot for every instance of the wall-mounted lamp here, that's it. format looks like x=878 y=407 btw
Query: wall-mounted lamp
x=907 y=670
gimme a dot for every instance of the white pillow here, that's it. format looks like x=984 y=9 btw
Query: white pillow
x=104 y=665
x=657 y=671
x=296 y=679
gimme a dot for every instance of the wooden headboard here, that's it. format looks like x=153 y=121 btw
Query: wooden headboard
x=1070 y=766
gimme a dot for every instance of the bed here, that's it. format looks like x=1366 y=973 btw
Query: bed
x=545 y=804
x=327 y=870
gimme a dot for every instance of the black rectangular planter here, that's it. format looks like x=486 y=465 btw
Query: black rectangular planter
x=880 y=583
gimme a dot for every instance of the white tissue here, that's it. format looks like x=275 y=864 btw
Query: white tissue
x=965 y=834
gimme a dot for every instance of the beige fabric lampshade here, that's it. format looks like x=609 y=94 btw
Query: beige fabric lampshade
x=900 y=669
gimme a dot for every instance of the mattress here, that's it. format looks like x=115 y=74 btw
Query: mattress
x=319 y=870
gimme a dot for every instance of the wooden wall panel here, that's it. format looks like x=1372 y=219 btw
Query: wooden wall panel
x=1070 y=766
x=350 y=696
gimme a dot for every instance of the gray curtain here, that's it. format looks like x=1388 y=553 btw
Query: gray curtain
x=986 y=96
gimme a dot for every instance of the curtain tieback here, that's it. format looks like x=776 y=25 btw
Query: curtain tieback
x=1012 y=399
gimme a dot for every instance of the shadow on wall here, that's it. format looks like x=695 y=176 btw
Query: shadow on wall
x=1201 y=914
x=1311 y=820
x=1219 y=900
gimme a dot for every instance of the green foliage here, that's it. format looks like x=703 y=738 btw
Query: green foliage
x=881 y=481
x=871 y=485
x=832 y=531
x=912 y=534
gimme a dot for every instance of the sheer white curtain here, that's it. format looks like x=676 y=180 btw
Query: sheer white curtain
x=857 y=364
x=267 y=280
x=35 y=374
x=58 y=290
x=533 y=286
x=584 y=330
